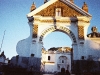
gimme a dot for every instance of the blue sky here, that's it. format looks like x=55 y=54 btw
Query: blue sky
x=13 y=19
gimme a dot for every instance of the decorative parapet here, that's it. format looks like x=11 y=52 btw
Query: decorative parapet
x=52 y=20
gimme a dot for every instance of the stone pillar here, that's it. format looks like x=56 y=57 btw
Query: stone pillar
x=33 y=47
x=75 y=52
x=39 y=49
x=82 y=26
x=34 y=63
x=33 y=33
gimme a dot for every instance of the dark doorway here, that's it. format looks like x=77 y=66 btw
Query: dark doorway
x=62 y=70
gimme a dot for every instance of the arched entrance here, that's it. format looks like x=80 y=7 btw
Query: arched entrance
x=63 y=61
x=62 y=70
x=56 y=39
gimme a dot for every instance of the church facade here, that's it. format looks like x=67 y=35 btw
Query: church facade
x=55 y=59
x=63 y=16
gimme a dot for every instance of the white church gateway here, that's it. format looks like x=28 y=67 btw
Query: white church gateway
x=63 y=16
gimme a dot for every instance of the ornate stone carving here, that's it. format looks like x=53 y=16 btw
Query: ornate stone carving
x=81 y=32
x=52 y=21
x=47 y=21
x=35 y=31
x=63 y=21
x=35 y=19
x=84 y=21
x=47 y=30
x=66 y=11
x=60 y=20
x=60 y=28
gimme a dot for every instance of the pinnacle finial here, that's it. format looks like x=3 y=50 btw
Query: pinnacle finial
x=45 y=1
x=33 y=7
x=72 y=1
x=85 y=7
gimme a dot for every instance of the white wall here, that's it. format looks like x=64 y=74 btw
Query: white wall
x=51 y=65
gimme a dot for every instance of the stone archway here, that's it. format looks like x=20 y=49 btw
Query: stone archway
x=72 y=20
x=67 y=32
x=58 y=28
